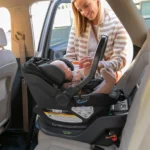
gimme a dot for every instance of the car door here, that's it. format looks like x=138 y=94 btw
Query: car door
x=56 y=29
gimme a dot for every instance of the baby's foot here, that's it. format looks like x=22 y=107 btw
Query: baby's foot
x=108 y=75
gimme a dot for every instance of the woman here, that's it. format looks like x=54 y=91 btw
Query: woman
x=91 y=20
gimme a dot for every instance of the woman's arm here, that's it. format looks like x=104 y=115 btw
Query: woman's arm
x=121 y=44
x=70 y=52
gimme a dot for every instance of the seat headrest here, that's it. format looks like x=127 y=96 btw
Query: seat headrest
x=3 y=40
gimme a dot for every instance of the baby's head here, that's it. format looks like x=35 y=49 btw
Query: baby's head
x=60 y=64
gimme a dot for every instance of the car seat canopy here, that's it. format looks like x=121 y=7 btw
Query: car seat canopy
x=53 y=72
x=49 y=72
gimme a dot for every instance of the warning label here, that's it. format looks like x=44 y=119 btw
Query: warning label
x=84 y=112
x=63 y=117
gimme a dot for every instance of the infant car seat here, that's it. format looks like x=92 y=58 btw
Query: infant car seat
x=62 y=112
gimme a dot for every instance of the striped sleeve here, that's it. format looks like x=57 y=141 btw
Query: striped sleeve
x=70 y=52
x=118 y=57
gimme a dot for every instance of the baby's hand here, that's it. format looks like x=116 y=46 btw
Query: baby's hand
x=86 y=62
x=76 y=76
x=86 y=70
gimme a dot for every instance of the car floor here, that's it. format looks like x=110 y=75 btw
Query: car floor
x=11 y=140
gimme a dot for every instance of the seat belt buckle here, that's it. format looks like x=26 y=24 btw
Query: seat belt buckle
x=111 y=135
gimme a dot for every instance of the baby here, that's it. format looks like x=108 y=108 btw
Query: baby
x=75 y=77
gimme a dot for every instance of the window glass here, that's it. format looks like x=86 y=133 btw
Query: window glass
x=62 y=24
x=144 y=8
x=5 y=24
x=38 y=13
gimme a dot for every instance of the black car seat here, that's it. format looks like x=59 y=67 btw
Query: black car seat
x=51 y=99
x=136 y=133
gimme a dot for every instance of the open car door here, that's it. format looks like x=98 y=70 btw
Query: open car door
x=55 y=34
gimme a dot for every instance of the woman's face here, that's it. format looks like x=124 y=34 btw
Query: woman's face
x=87 y=8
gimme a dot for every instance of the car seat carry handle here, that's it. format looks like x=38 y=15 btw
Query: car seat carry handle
x=98 y=56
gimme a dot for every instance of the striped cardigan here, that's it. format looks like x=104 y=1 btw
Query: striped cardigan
x=118 y=48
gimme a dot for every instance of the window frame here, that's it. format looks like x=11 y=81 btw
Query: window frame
x=65 y=27
x=141 y=8
x=45 y=39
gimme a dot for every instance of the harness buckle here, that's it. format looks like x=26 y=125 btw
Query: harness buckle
x=112 y=136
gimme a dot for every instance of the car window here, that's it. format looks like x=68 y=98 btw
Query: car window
x=62 y=24
x=5 y=24
x=38 y=12
x=144 y=8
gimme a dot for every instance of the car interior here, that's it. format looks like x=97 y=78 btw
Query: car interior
x=34 y=106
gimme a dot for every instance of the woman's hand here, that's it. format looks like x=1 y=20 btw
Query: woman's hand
x=86 y=62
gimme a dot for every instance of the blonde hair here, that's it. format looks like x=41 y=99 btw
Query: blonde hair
x=80 y=22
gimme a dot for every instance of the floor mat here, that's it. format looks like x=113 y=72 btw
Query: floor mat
x=16 y=141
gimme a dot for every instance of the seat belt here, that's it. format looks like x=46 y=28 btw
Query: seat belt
x=22 y=49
